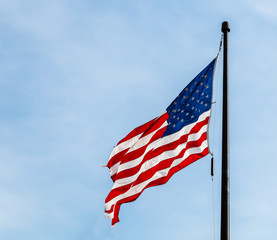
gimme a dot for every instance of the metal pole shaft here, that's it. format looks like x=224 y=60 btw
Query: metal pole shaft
x=225 y=218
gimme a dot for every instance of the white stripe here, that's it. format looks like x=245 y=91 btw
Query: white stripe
x=185 y=130
x=114 y=169
x=129 y=143
x=160 y=142
x=110 y=215
x=136 y=145
x=144 y=140
x=124 y=145
x=156 y=160
x=159 y=174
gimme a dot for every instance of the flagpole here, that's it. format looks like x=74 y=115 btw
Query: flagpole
x=225 y=212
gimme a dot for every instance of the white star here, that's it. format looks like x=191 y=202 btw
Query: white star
x=201 y=84
x=174 y=125
x=202 y=102
x=182 y=111
x=202 y=94
x=182 y=120
x=192 y=108
x=187 y=104
x=207 y=86
x=192 y=98
x=187 y=114
x=192 y=116
x=177 y=118
x=179 y=110
x=197 y=91
x=207 y=96
x=174 y=116
x=206 y=105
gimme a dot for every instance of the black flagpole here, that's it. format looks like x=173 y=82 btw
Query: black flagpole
x=225 y=218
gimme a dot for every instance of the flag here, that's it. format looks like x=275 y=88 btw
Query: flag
x=151 y=153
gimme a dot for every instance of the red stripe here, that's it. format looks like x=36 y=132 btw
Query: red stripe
x=116 y=158
x=137 y=153
x=160 y=181
x=143 y=128
x=111 y=210
x=160 y=166
x=175 y=144
x=156 y=125
x=155 y=152
x=168 y=162
x=137 y=131
x=121 y=157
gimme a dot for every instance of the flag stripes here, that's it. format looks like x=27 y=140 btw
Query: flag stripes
x=158 y=158
x=159 y=178
x=132 y=145
x=151 y=153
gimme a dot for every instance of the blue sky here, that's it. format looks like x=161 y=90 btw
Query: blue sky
x=77 y=76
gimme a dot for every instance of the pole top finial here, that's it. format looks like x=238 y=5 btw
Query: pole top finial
x=225 y=27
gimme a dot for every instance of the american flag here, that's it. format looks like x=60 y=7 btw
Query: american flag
x=151 y=153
